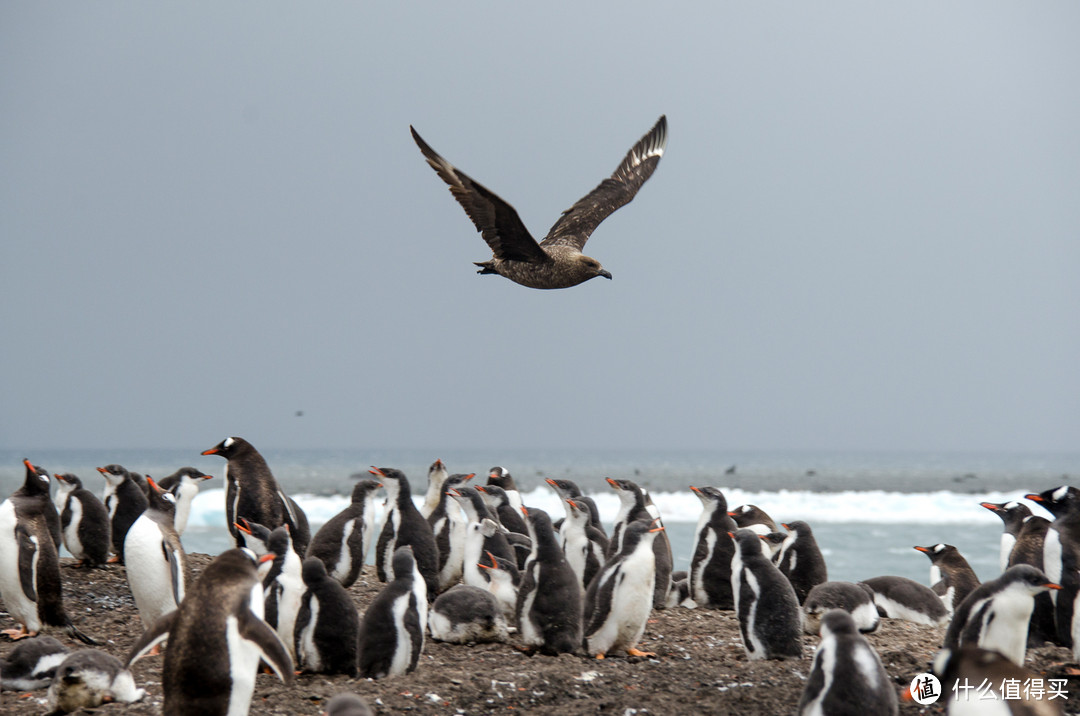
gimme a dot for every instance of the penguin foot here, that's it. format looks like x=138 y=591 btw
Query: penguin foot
x=115 y=559
x=635 y=652
x=155 y=651
x=20 y=633
x=601 y=656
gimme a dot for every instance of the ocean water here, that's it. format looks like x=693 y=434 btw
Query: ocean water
x=867 y=510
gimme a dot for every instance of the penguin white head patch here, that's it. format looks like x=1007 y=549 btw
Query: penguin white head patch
x=1011 y=505
x=1059 y=494
x=168 y=497
x=938 y=548
x=229 y=442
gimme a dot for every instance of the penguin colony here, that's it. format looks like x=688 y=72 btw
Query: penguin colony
x=282 y=601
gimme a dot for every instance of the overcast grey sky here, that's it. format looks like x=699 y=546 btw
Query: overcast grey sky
x=863 y=234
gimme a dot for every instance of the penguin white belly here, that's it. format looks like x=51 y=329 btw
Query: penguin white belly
x=403 y=649
x=896 y=610
x=1052 y=559
x=576 y=551
x=71 y=532
x=292 y=592
x=529 y=633
x=344 y=563
x=972 y=705
x=309 y=654
x=18 y=605
x=243 y=665
x=631 y=602
x=455 y=560
x=148 y=571
x=1007 y=543
x=866 y=616
x=1005 y=625
x=471 y=555
x=185 y=494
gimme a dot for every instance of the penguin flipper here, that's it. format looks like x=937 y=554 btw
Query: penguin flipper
x=176 y=570
x=271 y=649
x=28 y=548
x=151 y=637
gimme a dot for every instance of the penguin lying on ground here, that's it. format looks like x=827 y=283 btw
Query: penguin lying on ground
x=850 y=597
x=903 y=598
x=88 y=678
x=31 y=664
x=846 y=675
x=216 y=641
x=465 y=614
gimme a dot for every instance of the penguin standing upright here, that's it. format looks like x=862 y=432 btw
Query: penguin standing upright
x=549 y=606
x=216 y=641
x=392 y=630
x=342 y=542
x=846 y=675
x=619 y=599
x=84 y=522
x=156 y=563
x=770 y=620
x=283 y=588
x=709 y=577
x=996 y=615
x=89 y=678
x=1028 y=549
x=1012 y=514
x=125 y=499
x=501 y=477
x=185 y=483
x=436 y=490
x=327 y=625
x=634 y=505
x=253 y=494
x=752 y=517
x=448 y=525
x=32 y=664
x=1061 y=560
x=951 y=577
x=499 y=503
x=568 y=490
x=585 y=546
x=30 y=586
x=405 y=526
x=800 y=559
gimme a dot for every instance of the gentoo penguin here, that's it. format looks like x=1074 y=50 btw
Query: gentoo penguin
x=903 y=598
x=476 y=511
x=185 y=483
x=504 y=579
x=32 y=664
x=252 y=493
x=1028 y=549
x=216 y=641
x=505 y=514
x=346 y=704
x=633 y=505
x=951 y=577
x=773 y=541
x=392 y=630
x=465 y=614
x=679 y=596
x=846 y=675
x=568 y=490
x=342 y=542
x=619 y=599
x=556 y=261
x=84 y=522
x=501 y=477
x=549 y=606
x=436 y=490
x=448 y=525
x=1061 y=559
x=283 y=588
x=30 y=586
x=710 y=566
x=89 y=678
x=848 y=596
x=770 y=620
x=585 y=546
x=327 y=624
x=995 y=616
x=1012 y=514
x=125 y=499
x=256 y=536
x=405 y=526
x=155 y=559
x=800 y=559
x=973 y=666
x=752 y=517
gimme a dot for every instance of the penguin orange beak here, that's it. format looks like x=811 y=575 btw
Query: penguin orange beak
x=211 y=451
x=694 y=489
x=613 y=483
x=923 y=549
x=480 y=488
x=657 y=529
x=524 y=511
x=205 y=477
x=733 y=514
x=990 y=506
x=731 y=535
x=102 y=470
x=785 y=526
x=550 y=482
x=268 y=557
x=376 y=471
x=242 y=528
x=1034 y=497
x=153 y=485
x=1051 y=585
x=470 y=476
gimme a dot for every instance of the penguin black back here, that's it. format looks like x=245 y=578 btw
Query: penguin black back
x=405 y=526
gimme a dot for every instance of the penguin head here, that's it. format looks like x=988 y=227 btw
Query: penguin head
x=579 y=511
x=229 y=447
x=280 y=540
x=494 y=496
x=68 y=480
x=347 y=704
x=501 y=476
x=314 y=571
x=711 y=496
x=404 y=563
x=566 y=488
x=457 y=480
x=364 y=489
x=837 y=622
x=1059 y=500
x=437 y=472
x=1027 y=578
x=37 y=479
x=640 y=531
x=749 y=543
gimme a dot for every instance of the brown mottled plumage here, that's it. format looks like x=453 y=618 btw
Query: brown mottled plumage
x=557 y=261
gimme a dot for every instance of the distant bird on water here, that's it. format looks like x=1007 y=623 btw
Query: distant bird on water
x=556 y=261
